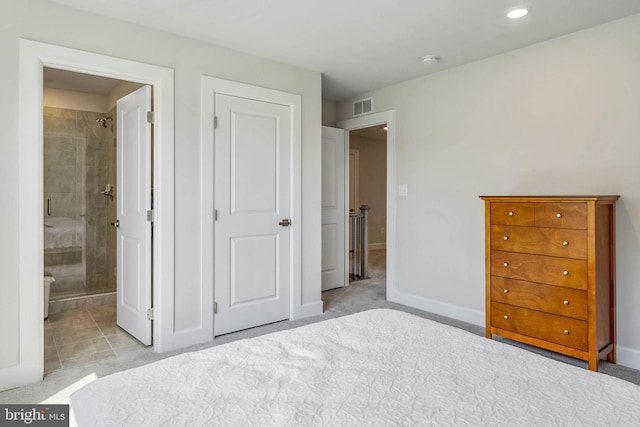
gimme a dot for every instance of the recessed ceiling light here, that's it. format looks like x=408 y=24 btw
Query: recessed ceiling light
x=517 y=12
x=430 y=59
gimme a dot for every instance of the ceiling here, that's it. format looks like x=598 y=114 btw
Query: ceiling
x=362 y=45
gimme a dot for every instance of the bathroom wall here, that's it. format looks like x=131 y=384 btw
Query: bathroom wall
x=76 y=169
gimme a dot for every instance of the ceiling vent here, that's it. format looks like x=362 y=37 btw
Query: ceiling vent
x=363 y=106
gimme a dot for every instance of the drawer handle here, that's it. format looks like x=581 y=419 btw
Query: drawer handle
x=566 y=302
x=506 y=291
x=558 y=215
x=565 y=243
x=506 y=264
x=511 y=213
x=566 y=332
x=566 y=273
x=506 y=317
x=506 y=237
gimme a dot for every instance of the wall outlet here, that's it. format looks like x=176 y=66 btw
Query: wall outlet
x=403 y=190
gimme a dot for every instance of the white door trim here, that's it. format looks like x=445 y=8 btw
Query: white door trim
x=375 y=119
x=211 y=86
x=33 y=57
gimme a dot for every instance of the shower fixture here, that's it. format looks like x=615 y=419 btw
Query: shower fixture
x=103 y=121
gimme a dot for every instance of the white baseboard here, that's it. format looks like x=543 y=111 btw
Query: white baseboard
x=625 y=356
x=628 y=357
x=457 y=312
x=307 y=310
x=375 y=246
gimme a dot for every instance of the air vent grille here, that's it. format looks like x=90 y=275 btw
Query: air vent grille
x=363 y=106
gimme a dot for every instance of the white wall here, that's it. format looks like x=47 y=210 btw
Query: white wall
x=559 y=117
x=47 y=22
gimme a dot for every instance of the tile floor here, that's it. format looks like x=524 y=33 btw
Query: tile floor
x=78 y=337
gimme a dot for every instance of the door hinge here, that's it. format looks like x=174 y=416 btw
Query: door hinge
x=150 y=117
x=215 y=307
x=215 y=122
x=215 y=214
x=150 y=314
x=150 y=215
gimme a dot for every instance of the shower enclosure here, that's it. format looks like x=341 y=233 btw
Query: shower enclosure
x=79 y=186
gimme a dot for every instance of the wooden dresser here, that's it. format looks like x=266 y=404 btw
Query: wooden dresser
x=550 y=273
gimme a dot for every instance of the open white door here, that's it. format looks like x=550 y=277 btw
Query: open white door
x=133 y=203
x=334 y=211
x=253 y=180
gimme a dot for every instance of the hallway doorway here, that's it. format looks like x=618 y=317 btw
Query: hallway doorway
x=367 y=171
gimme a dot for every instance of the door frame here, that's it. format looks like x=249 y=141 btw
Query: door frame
x=210 y=86
x=375 y=119
x=33 y=57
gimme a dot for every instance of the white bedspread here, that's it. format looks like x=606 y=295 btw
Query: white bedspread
x=379 y=367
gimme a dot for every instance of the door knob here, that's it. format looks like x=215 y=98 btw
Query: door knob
x=116 y=224
x=285 y=223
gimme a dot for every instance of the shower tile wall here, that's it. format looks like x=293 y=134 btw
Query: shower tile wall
x=79 y=159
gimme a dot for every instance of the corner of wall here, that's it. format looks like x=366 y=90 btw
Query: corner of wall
x=457 y=312
x=329 y=109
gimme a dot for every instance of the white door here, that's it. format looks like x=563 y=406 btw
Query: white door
x=133 y=202
x=334 y=211
x=253 y=177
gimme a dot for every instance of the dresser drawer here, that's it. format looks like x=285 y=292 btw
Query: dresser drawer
x=550 y=299
x=548 y=327
x=570 y=273
x=561 y=215
x=513 y=214
x=557 y=242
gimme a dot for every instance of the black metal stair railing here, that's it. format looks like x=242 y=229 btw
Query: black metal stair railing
x=358 y=244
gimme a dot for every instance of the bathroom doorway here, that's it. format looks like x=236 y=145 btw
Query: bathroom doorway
x=34 y=56
x=81 y=196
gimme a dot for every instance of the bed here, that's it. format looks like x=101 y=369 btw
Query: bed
x=378 y=367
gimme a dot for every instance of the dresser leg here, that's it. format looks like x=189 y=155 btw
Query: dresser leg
x=611 y=356
x=593 y=363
